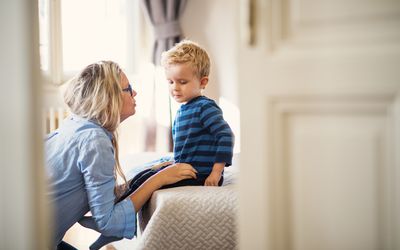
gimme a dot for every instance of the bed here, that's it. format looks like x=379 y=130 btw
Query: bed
x=186 y=217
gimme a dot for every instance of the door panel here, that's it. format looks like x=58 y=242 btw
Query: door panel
x=333 y=165
x=320 y=120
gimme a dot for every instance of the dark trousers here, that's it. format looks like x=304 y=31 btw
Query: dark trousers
x=141 y=177
x=65 y=246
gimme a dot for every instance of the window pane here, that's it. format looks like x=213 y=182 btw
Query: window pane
x=44 y=34
x=93 y=30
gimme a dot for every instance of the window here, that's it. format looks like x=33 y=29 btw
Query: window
x=75 y=33
x=44 y=31
x=98 y=33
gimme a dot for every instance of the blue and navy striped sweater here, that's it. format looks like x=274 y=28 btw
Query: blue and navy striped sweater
x=201 y=135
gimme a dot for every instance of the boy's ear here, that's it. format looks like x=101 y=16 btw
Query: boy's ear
x=203 y=82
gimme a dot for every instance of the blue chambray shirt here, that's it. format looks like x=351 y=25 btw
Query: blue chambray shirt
x=80 y=166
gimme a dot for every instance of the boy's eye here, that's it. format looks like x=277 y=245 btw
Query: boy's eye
x=182 y=82
x=170 y=82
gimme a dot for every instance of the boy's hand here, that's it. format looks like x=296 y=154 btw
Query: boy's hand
x=213 y=179
x=215 y=176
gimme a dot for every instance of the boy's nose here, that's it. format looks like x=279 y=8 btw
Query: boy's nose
x=174 y=86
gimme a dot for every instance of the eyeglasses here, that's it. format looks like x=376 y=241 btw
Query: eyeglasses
x=128 y=89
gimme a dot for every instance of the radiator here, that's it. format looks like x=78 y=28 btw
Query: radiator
x=52 y=118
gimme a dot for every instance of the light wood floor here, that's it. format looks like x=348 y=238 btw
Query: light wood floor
x=82 y=238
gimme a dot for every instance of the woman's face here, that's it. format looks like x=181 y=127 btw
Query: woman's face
x=128 y=99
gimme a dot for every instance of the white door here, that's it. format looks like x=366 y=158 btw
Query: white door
x=23 y=208
x=320 y=125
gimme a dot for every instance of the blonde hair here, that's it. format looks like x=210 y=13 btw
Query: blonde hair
x=95 y=94
x=190 y=52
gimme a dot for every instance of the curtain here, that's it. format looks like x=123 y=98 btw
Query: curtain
x=164 y=16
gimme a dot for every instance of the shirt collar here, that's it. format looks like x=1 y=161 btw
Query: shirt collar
x=194 y=99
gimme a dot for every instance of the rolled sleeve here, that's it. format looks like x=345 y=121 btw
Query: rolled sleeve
x=97 y=166
x=130 y=218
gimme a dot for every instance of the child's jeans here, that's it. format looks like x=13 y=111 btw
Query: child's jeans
x=141 y=177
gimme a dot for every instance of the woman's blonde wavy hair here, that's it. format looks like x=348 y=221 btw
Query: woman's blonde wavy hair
x=95 y=94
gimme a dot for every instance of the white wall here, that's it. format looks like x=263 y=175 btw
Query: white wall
x=214 y=25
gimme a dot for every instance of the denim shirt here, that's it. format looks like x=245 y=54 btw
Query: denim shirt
x=80 y=168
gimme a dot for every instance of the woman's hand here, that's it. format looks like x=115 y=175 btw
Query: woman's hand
x=168 y=175
x=162 y=164
x=176 y=172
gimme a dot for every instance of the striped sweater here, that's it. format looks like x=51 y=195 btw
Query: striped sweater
x=201 y=135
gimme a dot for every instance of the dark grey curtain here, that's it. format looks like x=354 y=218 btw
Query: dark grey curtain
x=164 y=16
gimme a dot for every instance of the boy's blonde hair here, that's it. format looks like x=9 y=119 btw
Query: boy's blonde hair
x=190 y=52
x=95 y=94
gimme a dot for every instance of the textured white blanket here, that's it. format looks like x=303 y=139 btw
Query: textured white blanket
x=191 y=217
x=188 y=217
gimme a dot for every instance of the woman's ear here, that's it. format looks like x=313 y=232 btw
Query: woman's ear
x=203 y=82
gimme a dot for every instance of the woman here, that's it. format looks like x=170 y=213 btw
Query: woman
x=82 y=156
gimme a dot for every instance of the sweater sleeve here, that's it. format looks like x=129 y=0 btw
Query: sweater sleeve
x=212 y=119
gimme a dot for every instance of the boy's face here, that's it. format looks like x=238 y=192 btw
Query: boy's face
x=184 y=85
